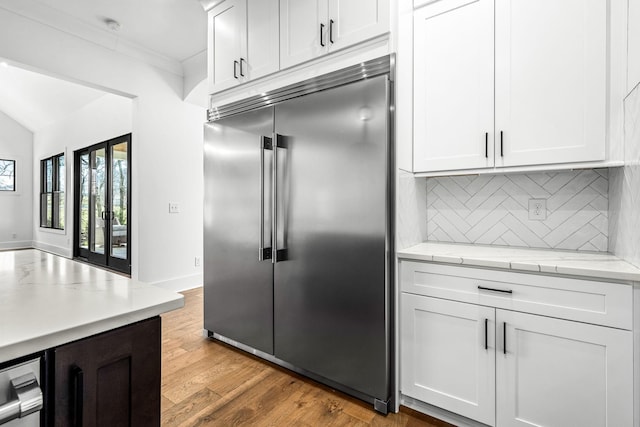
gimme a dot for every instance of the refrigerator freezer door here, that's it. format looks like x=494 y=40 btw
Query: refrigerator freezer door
x=330 y=288
x=238 y=288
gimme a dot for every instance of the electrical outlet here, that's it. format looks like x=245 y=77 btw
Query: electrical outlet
x=197 y=262
x=174 y=208
x=538 y=209
x=14 y=235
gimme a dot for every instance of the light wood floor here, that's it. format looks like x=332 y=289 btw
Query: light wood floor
x=207 y=383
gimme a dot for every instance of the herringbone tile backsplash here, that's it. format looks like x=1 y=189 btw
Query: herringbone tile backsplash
x=493 y=209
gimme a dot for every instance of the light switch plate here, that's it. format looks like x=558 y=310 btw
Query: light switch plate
x=537 y=209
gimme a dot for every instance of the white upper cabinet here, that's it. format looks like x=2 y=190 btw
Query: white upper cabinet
x=453 y=91
x=353 y=21
x=303 y=34
x=249 y=39
x=311 y=28
x=225 y=44
x=551 y=73
x=549 y=101
x=243 y=42
x=262 y=38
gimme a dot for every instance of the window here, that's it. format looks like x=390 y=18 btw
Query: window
x=52 y=183
x=7 y=175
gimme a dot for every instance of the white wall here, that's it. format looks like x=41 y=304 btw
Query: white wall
x=633 y=47
x=167 y=148
x=624 y=189
x=16 y=143
x=81 y=129
x=411 y=210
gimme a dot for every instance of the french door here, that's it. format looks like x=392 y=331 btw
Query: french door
x=102 y=203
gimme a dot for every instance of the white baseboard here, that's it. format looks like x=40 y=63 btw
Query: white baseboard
x=23 y=244
x=441 y=414
x=181 y=283
x=56 y=250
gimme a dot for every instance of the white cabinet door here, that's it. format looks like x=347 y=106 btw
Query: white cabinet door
x=353 y=21
x=453 y=85
x=227 y=36
x=303 y=30
x=551 y=59
x=262 y=47
x=562 y=373
x=447 y=359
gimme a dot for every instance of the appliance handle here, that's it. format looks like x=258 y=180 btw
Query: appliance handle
x=26 y=398
x=280 y=254
x=266 y=143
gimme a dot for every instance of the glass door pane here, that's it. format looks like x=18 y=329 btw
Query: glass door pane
x=60 y=194
x=98 y=200
x=84 y=201
x=103 y=185
x=119 y=200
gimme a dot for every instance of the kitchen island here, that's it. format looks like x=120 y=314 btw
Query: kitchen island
x=95 y=333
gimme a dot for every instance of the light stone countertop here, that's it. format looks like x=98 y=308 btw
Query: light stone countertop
x=583 y=264
x=47 y=300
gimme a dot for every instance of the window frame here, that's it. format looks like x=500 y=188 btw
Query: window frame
x=54 y=191
x=14 y=176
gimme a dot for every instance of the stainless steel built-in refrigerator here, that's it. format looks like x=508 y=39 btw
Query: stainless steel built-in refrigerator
x=298 y=228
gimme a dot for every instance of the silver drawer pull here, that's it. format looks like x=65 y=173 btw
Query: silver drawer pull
x=504 y=291
x=26 y=398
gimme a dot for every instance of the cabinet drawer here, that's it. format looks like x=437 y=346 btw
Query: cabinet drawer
x=600 y=303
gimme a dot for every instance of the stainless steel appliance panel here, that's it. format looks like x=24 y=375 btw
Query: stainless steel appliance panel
x=330 y=288
x=21 y=397
x=238 y=288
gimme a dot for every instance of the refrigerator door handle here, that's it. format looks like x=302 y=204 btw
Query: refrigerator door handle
x=280 y=252
x=266 y=143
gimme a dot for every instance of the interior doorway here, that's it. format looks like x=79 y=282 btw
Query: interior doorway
x=103 y=204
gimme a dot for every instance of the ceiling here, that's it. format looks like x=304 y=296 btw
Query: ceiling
x=175 y=29
x=36 y=101
x=171 y=29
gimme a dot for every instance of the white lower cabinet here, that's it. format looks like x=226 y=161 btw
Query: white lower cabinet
x=506 y=368
x=448 y=357
x=562 y=373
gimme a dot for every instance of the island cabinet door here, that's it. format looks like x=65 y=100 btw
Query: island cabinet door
x=111 y=379
x=553 y=372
